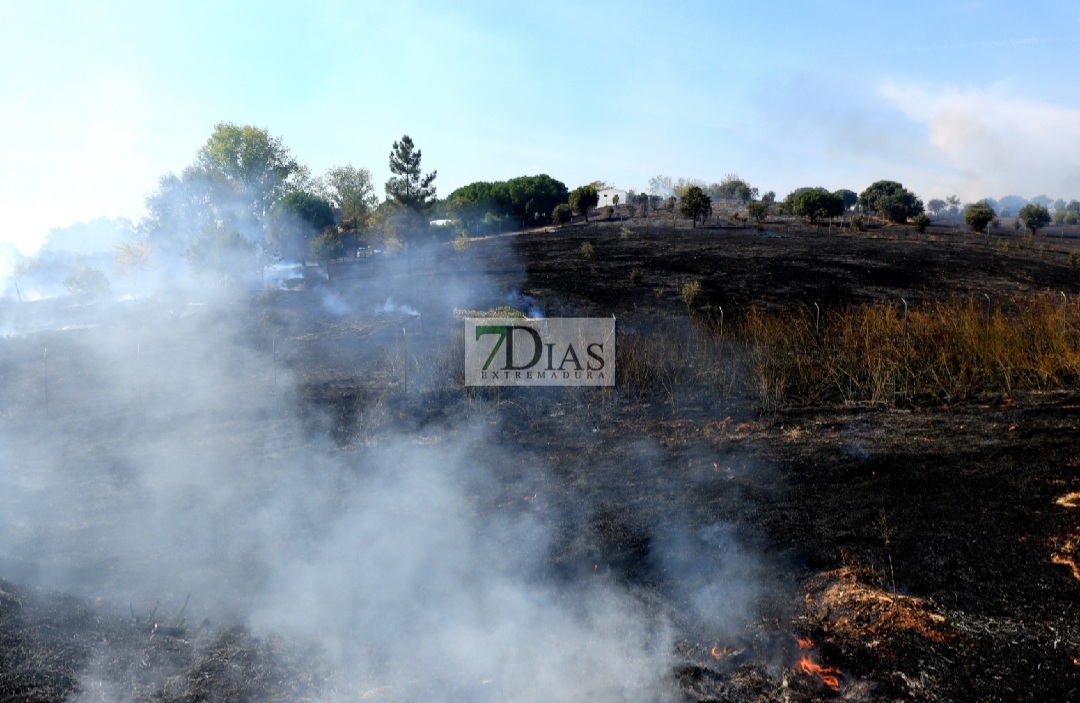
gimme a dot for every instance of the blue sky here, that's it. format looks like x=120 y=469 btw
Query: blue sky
x=98 y=100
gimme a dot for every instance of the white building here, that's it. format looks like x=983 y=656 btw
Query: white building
x=606 y=197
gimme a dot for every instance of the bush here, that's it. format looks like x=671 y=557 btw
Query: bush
x=562 y=214
x=86 y=280
x=857 y=223
x=608 y=212
x=758 y=212
x=462 y=243
x=587 y=251
x=690 y=293
x=1034 y=217
x=978 y=216
x=921 y=222
x=636 y=276
x=625 y=233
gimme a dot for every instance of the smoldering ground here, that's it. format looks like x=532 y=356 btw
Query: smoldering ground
x=168 y=451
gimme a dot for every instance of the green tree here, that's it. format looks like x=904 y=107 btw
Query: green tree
x=936 y=206
x=1034 y=216
x=409 y=187
x=354 y=192
x=561 y=214
x=921 y=222
x=891 y=200
x=583 y=198
x=296 y=220
x=758 y=212
x=979 y=215
x=813 y=203
x=695 y=204
x=226 y=193
x=732 y=188
x=952 y=204
x=256 y=165
x=849 y=197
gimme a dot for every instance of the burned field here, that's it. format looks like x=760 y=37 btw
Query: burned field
x=352 y=523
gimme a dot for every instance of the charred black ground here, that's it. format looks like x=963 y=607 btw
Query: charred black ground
x=914 y=546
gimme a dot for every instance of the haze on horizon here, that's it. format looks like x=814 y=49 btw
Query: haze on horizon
x=965 y=97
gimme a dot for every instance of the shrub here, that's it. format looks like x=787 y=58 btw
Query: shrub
x=636 y=276
x=625 y=233
x=1034 y=217
x=921 y=222
x=562 y=214
x=690 y=293
x=1074 y=258
x=758 y=211
x=608 y=212
x=857 y=223
x=462 y=243
x=587 y=251
x=86 y=280
x=978 y=216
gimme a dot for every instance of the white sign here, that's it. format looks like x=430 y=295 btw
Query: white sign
x=569 y=351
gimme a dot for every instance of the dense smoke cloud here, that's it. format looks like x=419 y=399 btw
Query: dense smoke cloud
x=161 y=451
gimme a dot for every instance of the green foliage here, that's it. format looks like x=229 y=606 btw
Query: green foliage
x=326 y=247
x=296 y=220
x=86 y=280
x=224 y=195
x=462 y=243
x=891 y=200
x=814 y=203
x=921 y=222
x=979 y=215
x=1034 y=217
x=409 y=188
x=625 y=233
x=257 y=166
x=583 y=198
x=562 y=214
x=608 y=212
x=732 y=188
x=857 y=223
x=849 y=197
x=354 y=192
x=528 y=199
x=696 y=205
x=588 y=251
x=936 y=206
x=758 y=212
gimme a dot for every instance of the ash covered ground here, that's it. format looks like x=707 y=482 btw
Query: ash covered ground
x=287 y=495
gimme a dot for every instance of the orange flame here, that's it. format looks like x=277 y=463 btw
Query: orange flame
x=829 y=675
x=718 y=652
x=804 y=644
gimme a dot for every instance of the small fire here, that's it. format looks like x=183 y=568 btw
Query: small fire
x=829 y=675
x=805 y=644
x=718 y=652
